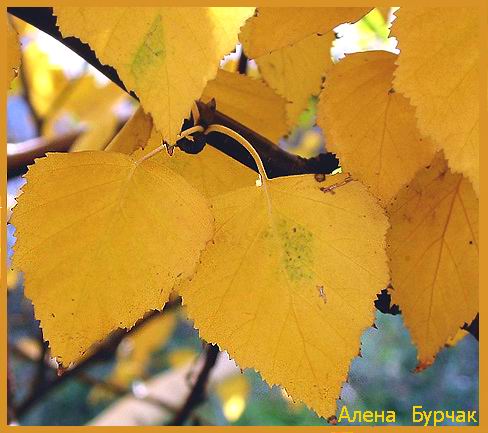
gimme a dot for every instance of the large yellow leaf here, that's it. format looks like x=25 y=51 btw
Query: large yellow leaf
x=249 y=101
x=101 y=239
x=371 y=127
x=276 y=27
x=13 y=53
x=438 y=70
x=296 y=72
x=165 y=55
x=288 y=286
x=433 y=251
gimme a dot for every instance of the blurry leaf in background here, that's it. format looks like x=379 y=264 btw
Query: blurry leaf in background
x=134 y=353
x=30 y=347
x=372 y=128
x=181 y=356
x=442 y=81
x=12 y=279
x=250 y=102
x=13 y=53
x=91 y=201
x=45 y=80
x=233 y=393
x=433 y=252
x=89 y=105
x=310 y=144
x=136 y=42
x=372 y=26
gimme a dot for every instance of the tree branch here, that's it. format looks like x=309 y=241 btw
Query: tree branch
x=102 y=352
x=277 y=161
x=198 y=391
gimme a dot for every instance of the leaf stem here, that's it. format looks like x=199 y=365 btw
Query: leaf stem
x=240 y=139
x=158 y=149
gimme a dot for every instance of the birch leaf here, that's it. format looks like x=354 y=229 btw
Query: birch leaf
x=101 y=240
x=296 y=72
x=288 y=286
x=249 y=101
x=433 y=251
x=371 y=127
x=439 y=71
x=159 y=53
x=273 y=28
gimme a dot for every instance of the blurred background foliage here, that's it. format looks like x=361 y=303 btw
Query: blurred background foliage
x=57 y=93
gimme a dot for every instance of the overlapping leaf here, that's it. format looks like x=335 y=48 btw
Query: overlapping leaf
x=101 y=239
x=296 y=72
x=250 y=102
x=159 y=53
x=288 y=285
x=273 y=28
x=438 y=69
x=295 y=55
x=371 y=127
x=433 y=251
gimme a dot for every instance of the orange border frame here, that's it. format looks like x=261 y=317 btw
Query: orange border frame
x=483 y=16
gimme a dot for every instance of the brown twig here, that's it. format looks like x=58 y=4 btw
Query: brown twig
x=104 y=351
x=198 y=391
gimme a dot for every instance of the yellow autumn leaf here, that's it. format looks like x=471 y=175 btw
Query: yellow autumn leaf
x=210 y=171
x=372 y=128
x=250 y=102
x=433 y=252
x=296 y=72
x=102 y=238
x=273 y=28
x=159 y=53
x=90 y=105
x=438 y=70
x=139 y=347
x=13 y=278
x=288 y=286
x=13 y=53
x=134 y=354
x=233 y=393
x=181 y=356
x=44 y=80
x=134 y=134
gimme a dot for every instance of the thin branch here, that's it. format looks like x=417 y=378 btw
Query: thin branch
x=104 y=351
x=198 y=392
